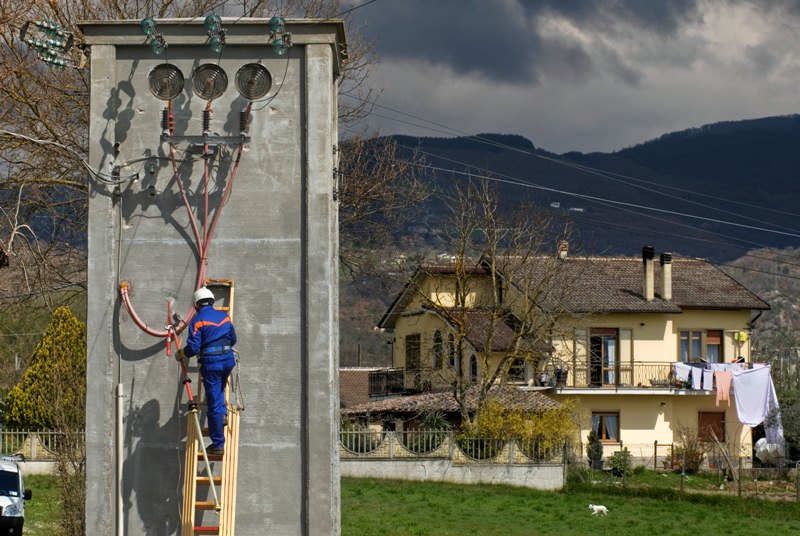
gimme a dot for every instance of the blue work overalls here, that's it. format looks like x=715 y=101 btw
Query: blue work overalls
x=211 y=337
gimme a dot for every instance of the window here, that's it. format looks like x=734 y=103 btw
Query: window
x=473 y=369
x=438 y=352
x=516 y=372
x=606 y=426
x=700 y=344
x=451 y=351
x=412 y=351
x=603 y=362
x=714 y=346
x=711 y=424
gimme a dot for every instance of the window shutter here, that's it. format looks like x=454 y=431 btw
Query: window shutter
x=581 y=344
x=626 y=345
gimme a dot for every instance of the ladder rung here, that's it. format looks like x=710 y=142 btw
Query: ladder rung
x=205 y=505
x=206 y=530
x=203 y=480
x=212 y=457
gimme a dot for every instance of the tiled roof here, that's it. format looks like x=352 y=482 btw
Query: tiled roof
x=615 y=285
x=445 y=401
x=595 y=284
x=479 y=326
x=354 y=385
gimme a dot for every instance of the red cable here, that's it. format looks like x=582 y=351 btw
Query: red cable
x=202 y=244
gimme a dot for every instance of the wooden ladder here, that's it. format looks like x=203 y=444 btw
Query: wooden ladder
x=224 y=468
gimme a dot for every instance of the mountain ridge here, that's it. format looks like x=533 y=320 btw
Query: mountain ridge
x=713 y=191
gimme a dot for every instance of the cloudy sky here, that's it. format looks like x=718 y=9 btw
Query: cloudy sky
x=585 y=75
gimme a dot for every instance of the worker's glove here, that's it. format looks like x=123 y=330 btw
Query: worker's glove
x=179 y=355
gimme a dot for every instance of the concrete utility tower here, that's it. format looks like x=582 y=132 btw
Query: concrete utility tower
x=220 y=142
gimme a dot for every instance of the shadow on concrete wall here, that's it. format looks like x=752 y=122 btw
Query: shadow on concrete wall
x=152 y=471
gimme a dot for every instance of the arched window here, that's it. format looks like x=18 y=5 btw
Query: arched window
x=438 y=352
x=451 y=350
x=473 y=369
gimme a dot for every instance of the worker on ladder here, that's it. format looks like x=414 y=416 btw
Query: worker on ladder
x=211 y=336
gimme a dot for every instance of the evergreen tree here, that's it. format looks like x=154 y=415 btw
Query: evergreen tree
x=52 y=392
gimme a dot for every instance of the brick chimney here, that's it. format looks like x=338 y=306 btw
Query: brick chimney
x=563 y=249
x=648 y=253
x=666 y=276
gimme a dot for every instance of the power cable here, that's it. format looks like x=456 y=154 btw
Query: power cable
x=100 y=176
x=598 y=200
x=444 y=129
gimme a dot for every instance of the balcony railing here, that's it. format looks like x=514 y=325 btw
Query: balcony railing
x=386 y=382
x=638 y=374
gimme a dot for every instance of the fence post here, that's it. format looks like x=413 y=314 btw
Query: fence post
x=797 y=483
x=33 y=436
x=655 y=455
x=740 y=475
x=683 y=468
x=391 y=443
x=452 y=444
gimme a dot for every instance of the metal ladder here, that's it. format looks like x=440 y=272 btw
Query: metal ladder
x=224 y=468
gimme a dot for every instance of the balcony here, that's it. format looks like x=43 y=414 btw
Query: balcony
x=639 y=374
x=386 y=382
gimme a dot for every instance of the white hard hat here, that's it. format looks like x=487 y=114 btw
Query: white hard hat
x=203 y=294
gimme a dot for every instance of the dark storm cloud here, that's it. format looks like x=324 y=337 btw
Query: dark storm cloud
x=501 y=40
x=469 y=36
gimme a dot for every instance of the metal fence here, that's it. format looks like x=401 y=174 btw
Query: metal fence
x=445 y=444
x=32 y=445
x=666 y=456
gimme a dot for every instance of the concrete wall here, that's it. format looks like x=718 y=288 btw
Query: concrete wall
x=543 y=477
x=276 y=238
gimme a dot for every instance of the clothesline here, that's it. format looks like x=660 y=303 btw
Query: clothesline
x=756 y=401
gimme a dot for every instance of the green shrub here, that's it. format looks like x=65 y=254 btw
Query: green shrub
x=621 y=463
x=690 y=452
x=594 y=451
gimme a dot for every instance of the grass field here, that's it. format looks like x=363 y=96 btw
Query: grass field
x=375 y=507
x=649 y=504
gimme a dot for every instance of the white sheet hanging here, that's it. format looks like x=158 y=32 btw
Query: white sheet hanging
x=755 y=398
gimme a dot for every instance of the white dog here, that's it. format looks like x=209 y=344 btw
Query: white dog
x=598 y=509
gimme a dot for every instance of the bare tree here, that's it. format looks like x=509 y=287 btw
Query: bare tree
x=378 y=191
x=505 y=296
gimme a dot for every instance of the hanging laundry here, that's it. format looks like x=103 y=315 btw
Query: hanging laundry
x=727 y=367
x=708 y=380
x=756 y=402
x=697 y=377
x=723 y=386
x=682 y=371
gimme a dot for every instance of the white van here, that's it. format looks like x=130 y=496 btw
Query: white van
x=12 y=497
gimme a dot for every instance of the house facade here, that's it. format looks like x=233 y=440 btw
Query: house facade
x=614 y=333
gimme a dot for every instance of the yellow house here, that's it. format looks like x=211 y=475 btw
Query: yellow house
x=612 y=332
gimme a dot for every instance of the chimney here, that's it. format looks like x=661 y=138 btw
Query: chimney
x=563 y=249
x=648 y=253
x=666 y=276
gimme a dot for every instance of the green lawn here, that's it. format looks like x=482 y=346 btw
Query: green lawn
x=41 y=512
x=650 y=504
x=376 y=507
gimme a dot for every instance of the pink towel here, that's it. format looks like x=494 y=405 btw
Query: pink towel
x=723 y=386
